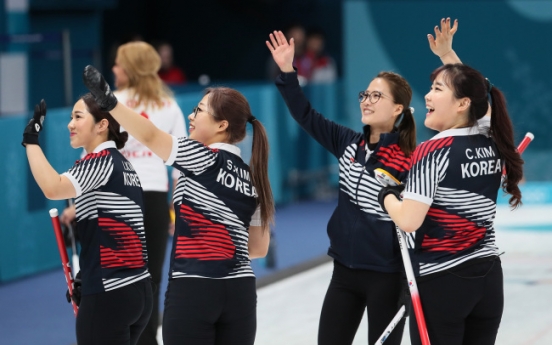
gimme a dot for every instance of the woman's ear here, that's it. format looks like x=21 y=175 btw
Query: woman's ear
x=223 y=125
x=464 y=104
x=398 y=110
x=103 y=125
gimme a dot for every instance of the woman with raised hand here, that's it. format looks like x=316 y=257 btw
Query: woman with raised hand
x=115 y=295
x=223 y=210
x=363 y=243
x=450 y=203
x=140 y=88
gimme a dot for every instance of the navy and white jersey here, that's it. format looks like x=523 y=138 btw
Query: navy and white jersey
x=109 y=220
x=362 y=236
x=458 y=174
x=214 y=202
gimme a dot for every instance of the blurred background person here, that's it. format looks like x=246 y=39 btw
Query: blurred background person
x=315 y=65
x=140 y=88
x=169 y=72
x=298 y=33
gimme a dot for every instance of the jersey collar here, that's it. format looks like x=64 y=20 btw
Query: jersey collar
x=481 y=127
x=110 y=144
x=227 y=147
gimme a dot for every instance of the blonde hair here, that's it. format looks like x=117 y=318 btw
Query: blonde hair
x=141 y=62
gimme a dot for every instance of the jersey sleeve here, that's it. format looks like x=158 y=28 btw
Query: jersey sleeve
x=91 y=172
x=191 y=156
x=429 y=166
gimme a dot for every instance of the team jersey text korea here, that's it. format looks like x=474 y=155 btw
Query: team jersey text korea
x=109 y=220
x=458 y=174
x=214 y=202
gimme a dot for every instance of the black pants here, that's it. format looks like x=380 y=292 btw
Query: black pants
x=349 y=294
x=462 y=307
x=201 y=311
x=115 y=317
x=156 y=226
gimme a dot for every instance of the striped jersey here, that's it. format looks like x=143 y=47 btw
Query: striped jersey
x=458 y=174
x=109 y=220
x=362 y=236
x=214 y=201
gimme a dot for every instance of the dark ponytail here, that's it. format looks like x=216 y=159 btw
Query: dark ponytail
x=114 y=129
x=407 y=131
x=503 y=134
x=259 y=172
x=402 y=94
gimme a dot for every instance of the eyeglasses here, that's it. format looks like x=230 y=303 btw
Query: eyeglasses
x=197 y=110
x=374 y=96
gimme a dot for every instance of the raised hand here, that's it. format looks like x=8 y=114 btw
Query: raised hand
x=441 y=44
x=30 y=135
x=282 y=51
x=99 y=88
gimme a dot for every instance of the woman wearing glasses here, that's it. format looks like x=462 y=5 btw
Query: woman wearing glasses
x=223 y=210
x=367 y=263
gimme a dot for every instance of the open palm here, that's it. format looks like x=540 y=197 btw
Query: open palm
x=282 y=51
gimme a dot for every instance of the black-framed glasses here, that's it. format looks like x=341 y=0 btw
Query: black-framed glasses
x=373 y=96
x=197 y=110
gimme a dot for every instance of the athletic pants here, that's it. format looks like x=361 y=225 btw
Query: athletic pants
x=462 y=306
x=351 y=291
x=156 y=226
x=115 y=317
x=202 y=311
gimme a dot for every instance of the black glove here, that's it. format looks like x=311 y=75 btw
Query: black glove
x=99 y=88
x=76 y=297
x=30 y=135
x=395 y=190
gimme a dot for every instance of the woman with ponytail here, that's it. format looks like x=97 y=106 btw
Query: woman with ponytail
x=450 y=202
x=363 y=243
x=113 y=289
x=223 y=211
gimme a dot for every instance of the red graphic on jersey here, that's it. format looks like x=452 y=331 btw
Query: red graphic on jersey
x=93 y=155
x=429 y=146
x=460 y=233
x=393 y=157
x=144 y=115
x=209 y=241
x=129 y=247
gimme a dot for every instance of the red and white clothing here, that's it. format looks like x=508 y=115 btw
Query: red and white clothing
x=215 y=203
x=109 y=220
x=170 y=119
x=457 y=173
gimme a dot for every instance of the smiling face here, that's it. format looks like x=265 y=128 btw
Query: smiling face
x=444 y=110
x=84 y=131
x=203 y=126
x=382 y=114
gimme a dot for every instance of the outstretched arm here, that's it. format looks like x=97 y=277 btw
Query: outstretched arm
x=138 y=126
x=282 y=51
x=441 y=44
x=53 y=185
